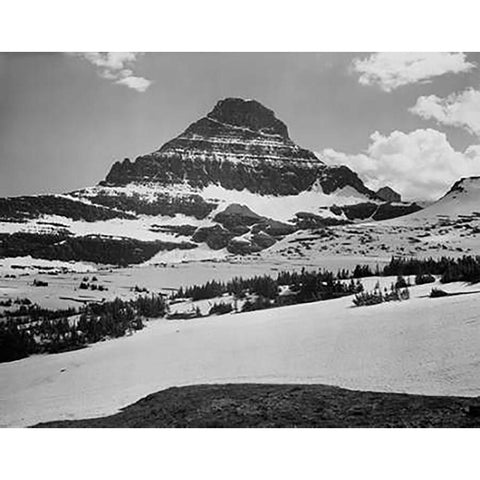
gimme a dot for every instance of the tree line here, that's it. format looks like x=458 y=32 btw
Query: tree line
x=304 y=286
x=463 y=269
x=44 y=331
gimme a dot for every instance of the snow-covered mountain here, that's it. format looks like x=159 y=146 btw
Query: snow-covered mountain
x=461 y=201
x=448 y=227
x=233 y=181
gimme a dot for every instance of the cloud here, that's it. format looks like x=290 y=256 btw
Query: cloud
x=137 y=83
x=421 y=165
x=117 y=66
x=393 y=70
x=458 y=109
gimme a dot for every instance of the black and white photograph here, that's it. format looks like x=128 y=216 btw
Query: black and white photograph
x=274 y=259
x=239 y=239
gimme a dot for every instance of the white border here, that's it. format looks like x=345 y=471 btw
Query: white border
x=247 y=25
x=239 y=454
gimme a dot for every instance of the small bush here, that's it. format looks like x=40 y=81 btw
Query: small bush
x=260 y=303
x=423 y=278
x=377 y=296
x=401 y=282
x=437 y=292
x=220 y=309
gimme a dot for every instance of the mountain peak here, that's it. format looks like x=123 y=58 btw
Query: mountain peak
x=239 y=145
x=248 y=114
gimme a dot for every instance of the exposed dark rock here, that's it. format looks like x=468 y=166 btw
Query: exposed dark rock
x=273 y=228
x=242 y=246
x=98 y=249
x=387 y=210
x=307 y=220
x=24 y=208
x=22 y=244
x=382 y=211
x=287 y=406
x=163 y=204
x=388 y=194
x=359 y=211
x=239 y=145
x=263 y=177
x=333 y=178
x=462 y=185
x=258 y=242
x=238 y=230
x=183 y=230
x=263 y=240
x=216 y=237
x=237 y=215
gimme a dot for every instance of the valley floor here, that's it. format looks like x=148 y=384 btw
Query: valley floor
x=421 y=346
x=63 y=290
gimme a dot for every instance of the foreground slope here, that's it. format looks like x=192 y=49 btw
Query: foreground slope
x=422 y=346
x=274 y=406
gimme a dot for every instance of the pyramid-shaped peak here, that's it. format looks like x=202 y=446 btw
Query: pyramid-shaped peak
x=248 y=114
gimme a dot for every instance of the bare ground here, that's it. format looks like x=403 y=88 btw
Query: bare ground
x=262 y=405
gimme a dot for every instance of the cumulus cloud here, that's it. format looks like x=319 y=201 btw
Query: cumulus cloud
x=421 y=165
x=393 y=70
x=458 y=109
x=137 y=83
x=118 y=67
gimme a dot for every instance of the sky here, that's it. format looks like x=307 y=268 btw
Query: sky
x=407 y=120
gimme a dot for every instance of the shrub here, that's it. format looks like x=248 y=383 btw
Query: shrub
x=423 y=278
x=437 y=292
x=401 y=282
x=220 y=309
x=260 y=303
x=376 y=296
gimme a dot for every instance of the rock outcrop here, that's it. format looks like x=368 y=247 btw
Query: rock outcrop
x=388 y=195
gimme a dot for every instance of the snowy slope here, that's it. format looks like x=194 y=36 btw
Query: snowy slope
x=448 y=227
x=428 y=346
x=462 y=200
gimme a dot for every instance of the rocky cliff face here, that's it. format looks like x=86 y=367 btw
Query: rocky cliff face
x=239 y=145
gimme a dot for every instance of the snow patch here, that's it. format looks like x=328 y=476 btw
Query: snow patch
x=191 y=255
x=282 y=207
x=29 y=263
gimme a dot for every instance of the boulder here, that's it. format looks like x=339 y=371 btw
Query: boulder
x=273 y=228
x=236 y=215
x=388 y=195
x=242 y=246
x=216 y=237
